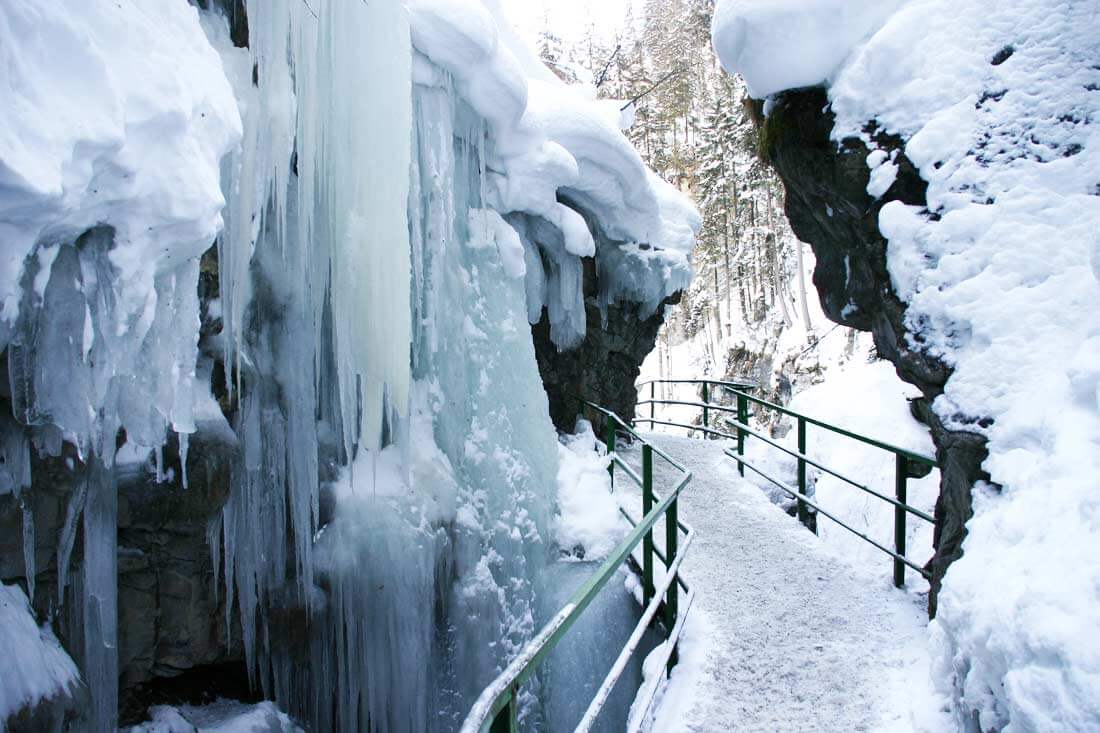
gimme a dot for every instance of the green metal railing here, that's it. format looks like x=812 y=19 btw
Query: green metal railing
x=906 y=461
x=497 y=708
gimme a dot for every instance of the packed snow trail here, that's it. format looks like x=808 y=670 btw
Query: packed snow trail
x=784 y=634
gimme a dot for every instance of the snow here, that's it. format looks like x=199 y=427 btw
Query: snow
x=488 y=228
x=869 y=399
x=45 y=671
x=588 y=524
x=553 y=142
x=785 y=44
x=784 y=633
x=998 y=107
x=884 y=171
x=223 y=716
x=126 y=129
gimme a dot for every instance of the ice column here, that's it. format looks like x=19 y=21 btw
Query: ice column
x=101 y=596
x=367 y=168
x=317 y=246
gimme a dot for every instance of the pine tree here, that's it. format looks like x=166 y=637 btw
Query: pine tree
x=692 y=127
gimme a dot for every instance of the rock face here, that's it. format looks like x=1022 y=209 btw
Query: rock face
x=829 y=207
x=171 y=607
x=604 y=367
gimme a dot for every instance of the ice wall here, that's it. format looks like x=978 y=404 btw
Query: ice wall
x=427 y=571
x=115 y=122
x=427 y=568
x=385 y=538
x=314 y=279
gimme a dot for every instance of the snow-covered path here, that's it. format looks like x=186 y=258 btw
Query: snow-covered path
x=784 y=634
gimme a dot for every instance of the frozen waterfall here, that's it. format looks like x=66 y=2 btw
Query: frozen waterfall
x=397 y=191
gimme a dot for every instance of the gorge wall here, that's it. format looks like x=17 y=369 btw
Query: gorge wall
x=829 y=207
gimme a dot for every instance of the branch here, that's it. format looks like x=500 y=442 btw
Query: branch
x=662 y=80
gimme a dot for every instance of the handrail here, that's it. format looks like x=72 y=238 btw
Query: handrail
x=812 y=420
x=631 y=645
x=818 y=508
x=686 y=529
x=802 y=457
x=633 y=433
x=496 y=708
x=731 y=385
x=903 y=457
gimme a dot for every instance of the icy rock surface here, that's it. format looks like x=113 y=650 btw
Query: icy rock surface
x=998 y=108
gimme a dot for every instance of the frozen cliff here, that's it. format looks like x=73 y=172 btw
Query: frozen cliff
x=947 y=176
x=322 y=446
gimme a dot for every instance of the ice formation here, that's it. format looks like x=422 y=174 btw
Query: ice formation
x=999 y=107
x=397 y=191
x=109 y=168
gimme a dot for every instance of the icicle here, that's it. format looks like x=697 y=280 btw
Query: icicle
x=73 y=511
x=15 y=458
x=364 y=165
x=184 y=440
x=214 y=540
x=228 y=528
x=28 y=543
x=101 y=596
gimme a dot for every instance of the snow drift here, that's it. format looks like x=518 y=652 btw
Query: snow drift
x=45 y=670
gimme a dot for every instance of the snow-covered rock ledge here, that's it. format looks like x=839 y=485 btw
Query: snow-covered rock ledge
x=995 y=106
x=558 y=155
x=566 y=179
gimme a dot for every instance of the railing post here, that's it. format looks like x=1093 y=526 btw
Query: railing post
x=647 y=506
x=901 y=491
x=706 y=410
x=743 y=419
x=507 y=720
x=652 y=404
x=609 y=441
x=672 y=600
x=803 y=515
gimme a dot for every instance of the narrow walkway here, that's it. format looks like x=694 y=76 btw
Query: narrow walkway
x=784 y=635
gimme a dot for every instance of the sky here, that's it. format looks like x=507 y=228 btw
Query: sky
x=566 y=18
